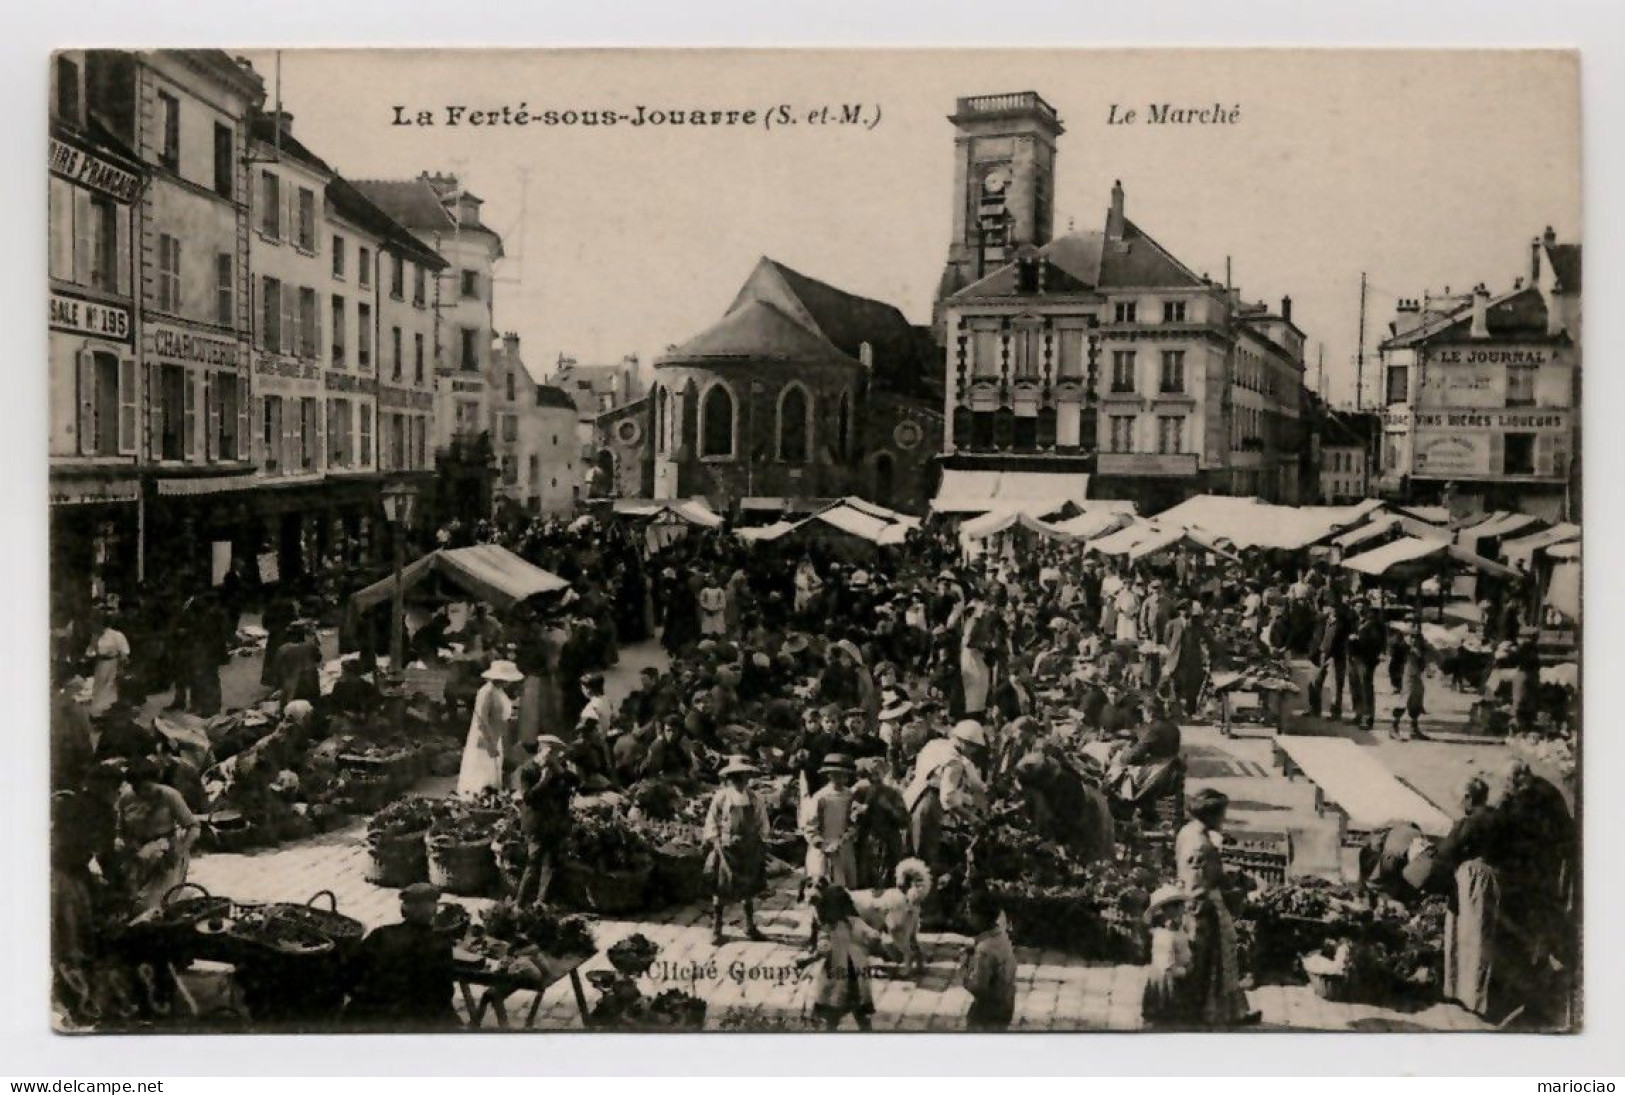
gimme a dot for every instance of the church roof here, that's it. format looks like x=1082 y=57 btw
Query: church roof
x=756 y=331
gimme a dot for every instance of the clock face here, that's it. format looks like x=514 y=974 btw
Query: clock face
x=995 y=181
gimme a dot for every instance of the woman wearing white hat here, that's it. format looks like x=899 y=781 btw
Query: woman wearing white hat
x=945 y=781
x=493 y=710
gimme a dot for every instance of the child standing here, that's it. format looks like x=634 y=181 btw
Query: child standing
x=990 y=968
x=1170 y=957
x=841 y=986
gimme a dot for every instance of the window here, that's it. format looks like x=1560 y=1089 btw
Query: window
x=793 y=425
x=534 y=468
x=338 y=256
x=224 y=297
x=1170 y=434
x=177 y=411
x=470 y=347
x=169 y=119
x=511 y=396
x=468 y=416
x=843 y=426
x=471 y=284
x=420 y=286
x=1069 y=344
x=309 y=428
x=510 y=428
x=1124 y=311
x=225 y=397
x=1521 y=385
x=397 y=276
x=1173 y=370
x=1122 y=433
x=1519 y=454
x=395 y=354
x=717 y=422
x=1122 y=370
x=365 y=452
x=270 y=314
x=271 y=434
x=100 y=403
x=420 y=440
x=309 y=345
x=363 y=266
x=985 y=353
x=104 y=248
x=270 y=205
x=307 y=219
x=169 y=274
x=338 y=331
x=417 y=357
x=67 y=90
x=339 y=454
x=363 y=334
x=1173 y=311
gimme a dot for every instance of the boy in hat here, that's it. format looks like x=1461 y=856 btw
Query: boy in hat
x=402 y=977
x=547 y=784
x=826 y=823
x=735 y=838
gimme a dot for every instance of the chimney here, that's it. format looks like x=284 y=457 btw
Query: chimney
x=510 y=344
x=283 y=120
x=1551 y=236
x=1286 y=309
x=1114 y=219
x=1481 y=327
x=1534 y=261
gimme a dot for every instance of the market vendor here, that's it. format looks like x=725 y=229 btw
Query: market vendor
x=402 y=977
x=1217 y=999
x=156 y=832
x=735 y=839
x=299 y=663
x=946 y=782
x=353 y=694
x=1148 y=764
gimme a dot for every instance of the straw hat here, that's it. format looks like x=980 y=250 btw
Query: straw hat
x=1162 y=897
x=969 y=731
x=503 y=670
x=836 y=762
x=859 y=580
x=894 y=705
x=737 y=766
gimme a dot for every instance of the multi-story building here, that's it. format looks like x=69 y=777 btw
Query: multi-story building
x=1098 y=353
x=446 y=218
x=596 y=390
x=1481 y=397
x=549 y=453
x=97 y=440
x=1345 y=441
x=184 y=114
x=511 y=396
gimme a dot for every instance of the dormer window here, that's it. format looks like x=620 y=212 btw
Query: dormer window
x=1173 y=311
x=1124 y=311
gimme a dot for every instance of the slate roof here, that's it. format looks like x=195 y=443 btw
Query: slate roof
x=1565 y=262
x=1082 y=262
x=262 y=127
x=412 y=202
x=549 y=396
x=757 y=331
x=1518 y=315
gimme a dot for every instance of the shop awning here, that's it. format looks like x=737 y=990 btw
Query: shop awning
x=1249 y=522
x=1096 y=520
x=487 y=572
x=1361 y=534
x=1124 y=539
x=1507 y=524
x=1411 y=549
x=1526 y=547
x=1033 y=492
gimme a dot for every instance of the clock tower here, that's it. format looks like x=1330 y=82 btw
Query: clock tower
x=1004 y=184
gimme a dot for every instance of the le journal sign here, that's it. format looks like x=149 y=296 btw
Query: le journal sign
x=87 y=317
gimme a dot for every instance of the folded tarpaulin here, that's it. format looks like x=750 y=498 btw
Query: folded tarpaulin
x=487 y=572
x=1124 y=539
x=759 y=534
x=1095 y=521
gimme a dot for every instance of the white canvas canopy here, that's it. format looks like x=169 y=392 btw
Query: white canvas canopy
x=1249 y=522
x=854 y=517
x=1031 y=492
x=1097 y=520
x=488 y=572
x=1525 y=548
x=695 y=511
x=1411 y=549
x=991 y=524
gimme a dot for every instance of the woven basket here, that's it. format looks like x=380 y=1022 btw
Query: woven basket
x=510 y=860
x=469 y=870
x=609 y=892
x=679 y=875
x=397 y=861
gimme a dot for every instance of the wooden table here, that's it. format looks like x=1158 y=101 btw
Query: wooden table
x=499 y=983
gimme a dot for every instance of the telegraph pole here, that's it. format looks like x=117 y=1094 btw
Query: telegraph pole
x=1359 y=360
x=1320 y=372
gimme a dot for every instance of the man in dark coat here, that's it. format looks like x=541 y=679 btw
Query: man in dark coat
x=546 y=787
x=402 y=978
x=1365 y=651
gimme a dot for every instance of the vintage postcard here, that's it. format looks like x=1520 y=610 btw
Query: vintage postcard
x=799 y=541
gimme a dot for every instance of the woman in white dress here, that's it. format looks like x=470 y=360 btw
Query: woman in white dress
x=111 y=650
x=493 y=710
x=1128 y=614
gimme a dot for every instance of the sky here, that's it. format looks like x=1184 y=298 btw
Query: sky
x=1423 y=169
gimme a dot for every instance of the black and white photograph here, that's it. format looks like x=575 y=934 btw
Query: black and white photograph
x=798 y=541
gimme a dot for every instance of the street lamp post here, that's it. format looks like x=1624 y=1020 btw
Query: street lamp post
x=399 y=499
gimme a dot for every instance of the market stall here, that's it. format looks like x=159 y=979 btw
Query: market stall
x=487 y=572
x=966 y=492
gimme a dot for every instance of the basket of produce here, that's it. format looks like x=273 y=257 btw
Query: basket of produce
x=364 y=791
x=397 y=853
x=267 y=930
x=679 y=862
x=187 y=905
x=227 y=831
x=344 y=931
x=451 y=920
x=607 y=863
x=633 y=955
x=460 y=857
